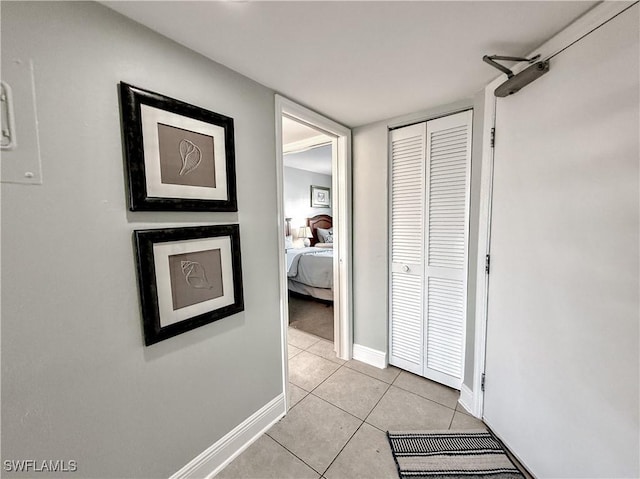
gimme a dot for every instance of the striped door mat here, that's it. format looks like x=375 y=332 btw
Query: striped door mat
x=450 y=454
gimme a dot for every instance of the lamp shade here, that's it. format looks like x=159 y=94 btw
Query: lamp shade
x=305 y=232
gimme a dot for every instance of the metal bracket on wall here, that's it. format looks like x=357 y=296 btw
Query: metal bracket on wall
x=491 y=60
x=20 y=162
x=516 y=82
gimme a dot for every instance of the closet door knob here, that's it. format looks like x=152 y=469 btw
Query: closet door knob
x=405 y=268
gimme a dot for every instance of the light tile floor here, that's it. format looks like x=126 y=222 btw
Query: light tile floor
x=340 y=412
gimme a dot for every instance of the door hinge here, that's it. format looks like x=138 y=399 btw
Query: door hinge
x=482 y=382
x=493 y=137
x=487 y=264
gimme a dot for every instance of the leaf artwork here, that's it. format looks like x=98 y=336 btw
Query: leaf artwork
x=191 y=157
x=195 y=275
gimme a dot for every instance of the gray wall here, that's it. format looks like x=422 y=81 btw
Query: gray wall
x=297 y=194
x=77 y=381
x=370 y=224
x=370 y=234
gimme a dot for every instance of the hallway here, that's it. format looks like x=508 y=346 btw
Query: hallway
x=340 y=412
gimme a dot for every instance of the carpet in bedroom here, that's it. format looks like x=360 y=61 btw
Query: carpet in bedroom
x=311 y=316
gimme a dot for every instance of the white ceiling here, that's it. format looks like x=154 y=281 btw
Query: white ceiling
x=294 y=131
x=360 y=62
x=317 y=160
x=298 y=141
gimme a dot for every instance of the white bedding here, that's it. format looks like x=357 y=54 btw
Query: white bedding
x=311 y=266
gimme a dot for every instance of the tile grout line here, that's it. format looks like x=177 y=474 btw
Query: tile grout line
x=327 y=359
x=378 y=402
x=375 y=427
x=423 y=397
x=322 y=382
x=312 y=336
x=362 y=421
x=330 y=404
x=392 y=383
x=451 y=422
x=293 y=454
x=333 y=362
x=290 y=358
x=291 y=407
x=322 y=399
x=410 y=392
x=340 y=366
x=319 y=341
x=311 y=352
x=342 y=449
x=369 y=375
x=336 y=406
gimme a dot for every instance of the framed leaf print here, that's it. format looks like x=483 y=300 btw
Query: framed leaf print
x=187 y=277
x=320 y=196
x=178 y=156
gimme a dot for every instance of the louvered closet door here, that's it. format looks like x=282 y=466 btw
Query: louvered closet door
x=430 y=176
x=448 y=172
x=407 y=153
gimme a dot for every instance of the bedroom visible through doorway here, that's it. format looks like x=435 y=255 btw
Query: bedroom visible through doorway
x=307 y=172
x=316 y=217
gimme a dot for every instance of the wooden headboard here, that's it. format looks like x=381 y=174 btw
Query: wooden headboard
x=319 y=221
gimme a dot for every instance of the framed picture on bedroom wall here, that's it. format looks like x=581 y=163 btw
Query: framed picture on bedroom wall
x=320 y=197
x=178 y=156
x=188 y=277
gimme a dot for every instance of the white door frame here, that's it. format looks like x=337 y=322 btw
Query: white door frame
x=584 y=25
x=341 y=206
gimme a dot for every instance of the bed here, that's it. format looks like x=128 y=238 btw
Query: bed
x=310 y=269
x=322 y=231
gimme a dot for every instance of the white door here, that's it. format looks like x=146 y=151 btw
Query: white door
x=447 y=233
x=430 y=175
x=407 y=153
x=562 y=361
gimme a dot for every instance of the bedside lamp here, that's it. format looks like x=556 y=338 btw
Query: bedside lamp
x=305 y=232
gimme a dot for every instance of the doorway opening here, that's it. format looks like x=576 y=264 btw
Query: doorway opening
x=309 y=233
x=314 y=215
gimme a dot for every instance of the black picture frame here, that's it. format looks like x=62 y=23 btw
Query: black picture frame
x=151 y=248
x=222 y=197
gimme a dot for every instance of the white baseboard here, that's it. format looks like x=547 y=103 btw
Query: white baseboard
x=466 y=399
x=215 y=458
x=370 y=356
